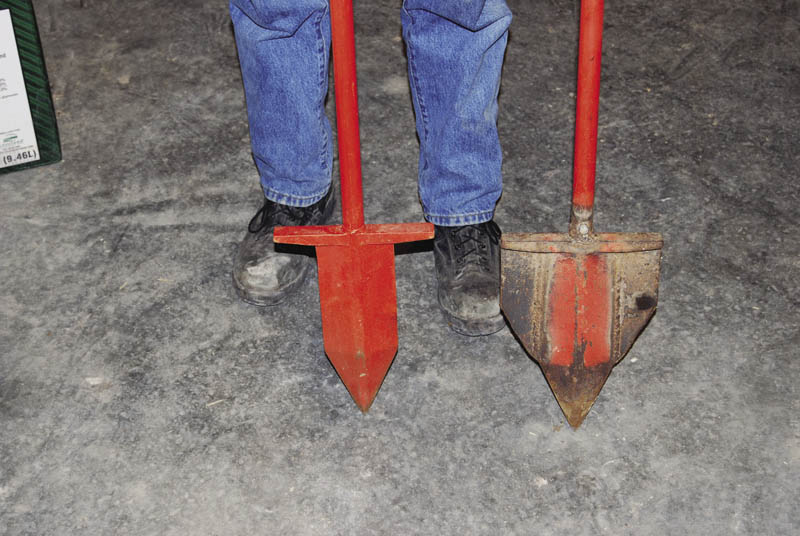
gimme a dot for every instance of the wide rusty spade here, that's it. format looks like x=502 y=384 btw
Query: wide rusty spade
x=578 y=301
x=357 y=290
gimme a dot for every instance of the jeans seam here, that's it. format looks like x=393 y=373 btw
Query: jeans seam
x=292 y=199
x=420 y=101
x=462 y=215
x=460 y=219
x=323 y=85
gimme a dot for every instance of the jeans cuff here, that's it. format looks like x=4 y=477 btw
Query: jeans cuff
x=455 y=220
x=293 y=200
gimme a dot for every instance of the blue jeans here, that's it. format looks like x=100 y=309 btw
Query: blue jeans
x=455 y=53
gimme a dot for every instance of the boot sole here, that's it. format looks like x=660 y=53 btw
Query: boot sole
x=475 y=328
x=253 y=297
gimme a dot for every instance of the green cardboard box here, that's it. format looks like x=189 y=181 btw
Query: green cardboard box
x=28 y=129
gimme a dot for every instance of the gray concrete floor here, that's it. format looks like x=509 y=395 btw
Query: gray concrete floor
x=139 y=396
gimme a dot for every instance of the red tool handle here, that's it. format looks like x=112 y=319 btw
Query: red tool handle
x=344 y=71
x=589 y=55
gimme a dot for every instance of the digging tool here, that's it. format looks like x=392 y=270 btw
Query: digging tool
x=355 y=261
x=577 y=301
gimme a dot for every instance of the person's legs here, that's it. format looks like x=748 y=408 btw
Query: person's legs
x=284 y=46
x=455 y=54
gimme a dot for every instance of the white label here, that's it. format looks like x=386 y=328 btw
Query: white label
x=17 y=137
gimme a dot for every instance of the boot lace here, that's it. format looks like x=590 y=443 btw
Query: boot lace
x=470 y=243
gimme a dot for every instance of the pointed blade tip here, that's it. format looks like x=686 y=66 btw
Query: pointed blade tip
x=576 y=411
x=362 y=383
x=364 y=403
x=575 y=421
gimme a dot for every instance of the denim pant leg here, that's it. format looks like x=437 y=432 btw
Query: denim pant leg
x=284 y=46
x=455 y=53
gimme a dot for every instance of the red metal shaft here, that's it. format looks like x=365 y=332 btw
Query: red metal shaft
x=589 y=56
x=344 y=71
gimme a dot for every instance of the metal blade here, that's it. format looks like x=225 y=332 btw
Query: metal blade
x=358 y=299
x=577 y=307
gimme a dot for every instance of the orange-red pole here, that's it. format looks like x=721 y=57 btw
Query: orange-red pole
x=344 y=71
x=589 y=56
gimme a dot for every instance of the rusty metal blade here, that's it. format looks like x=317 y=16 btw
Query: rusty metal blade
x=577 y=306
x=576 y=388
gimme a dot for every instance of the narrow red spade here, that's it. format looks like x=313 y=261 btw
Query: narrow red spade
x=357 y=290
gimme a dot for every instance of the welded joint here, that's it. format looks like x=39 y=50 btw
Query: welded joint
x=581 y=223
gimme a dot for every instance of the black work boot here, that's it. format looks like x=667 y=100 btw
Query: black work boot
x=468 y=271
x=263 y=274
